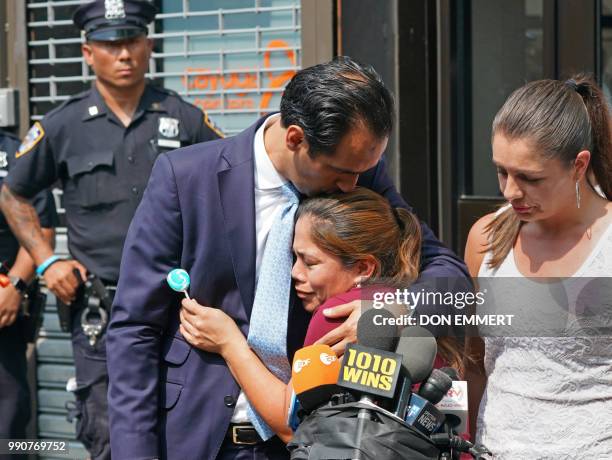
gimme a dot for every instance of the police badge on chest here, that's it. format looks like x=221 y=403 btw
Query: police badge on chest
x=3 y=163
x=168 y=133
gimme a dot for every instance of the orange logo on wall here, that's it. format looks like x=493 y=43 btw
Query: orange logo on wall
x=204 y=79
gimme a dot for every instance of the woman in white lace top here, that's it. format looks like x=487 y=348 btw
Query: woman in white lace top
x=547 y=397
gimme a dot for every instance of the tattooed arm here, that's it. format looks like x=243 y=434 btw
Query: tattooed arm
x=25 y=224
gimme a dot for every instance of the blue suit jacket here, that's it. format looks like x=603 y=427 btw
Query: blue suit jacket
x=166 y=398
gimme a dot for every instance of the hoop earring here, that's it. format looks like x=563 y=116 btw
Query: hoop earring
x=577 y=195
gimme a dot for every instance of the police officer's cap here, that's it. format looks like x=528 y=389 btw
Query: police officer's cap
x=112 y=20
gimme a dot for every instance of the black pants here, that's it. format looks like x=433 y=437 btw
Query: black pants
x=91 y=407
x=273 y=449
x=14 y=390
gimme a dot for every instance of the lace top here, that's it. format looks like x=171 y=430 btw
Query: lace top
x=549 y=397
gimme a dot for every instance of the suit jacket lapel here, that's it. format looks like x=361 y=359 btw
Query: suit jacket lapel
x=237 y=194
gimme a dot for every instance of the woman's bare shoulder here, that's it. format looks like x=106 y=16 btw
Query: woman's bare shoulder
x=477 y=241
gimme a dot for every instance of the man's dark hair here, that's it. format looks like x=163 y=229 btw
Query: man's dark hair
x=329 y=99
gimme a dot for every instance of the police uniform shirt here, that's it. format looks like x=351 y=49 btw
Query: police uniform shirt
x=103 y=166
x=43 y=202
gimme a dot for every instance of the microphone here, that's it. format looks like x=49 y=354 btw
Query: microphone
x=314 y=375
x=423 y=415
x=451 y=372
x=436 y=386
x=455 y=443
x=369 y=366
x=293 y=415
x=374 y=330
x=454 y=404
x=418 y=349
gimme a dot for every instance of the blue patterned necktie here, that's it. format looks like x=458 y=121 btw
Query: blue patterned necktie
x=268 y=324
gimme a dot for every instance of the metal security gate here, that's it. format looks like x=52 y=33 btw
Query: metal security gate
x=232 y=58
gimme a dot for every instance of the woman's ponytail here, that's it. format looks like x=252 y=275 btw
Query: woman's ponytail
x=409 y=251
x=599 y=116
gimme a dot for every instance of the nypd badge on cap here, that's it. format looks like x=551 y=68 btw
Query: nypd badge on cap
x=113 y=20
x=114 y=9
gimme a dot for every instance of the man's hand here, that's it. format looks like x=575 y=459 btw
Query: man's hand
x=346 y=333
x=10 y=300
x=61 y=280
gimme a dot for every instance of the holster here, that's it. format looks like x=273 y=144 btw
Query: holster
x=32 y=309
x=65 y=315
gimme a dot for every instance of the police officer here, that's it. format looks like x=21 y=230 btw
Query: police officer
x=101 y=146
x=18 y=265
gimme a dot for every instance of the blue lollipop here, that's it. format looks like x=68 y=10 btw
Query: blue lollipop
x=178 y=280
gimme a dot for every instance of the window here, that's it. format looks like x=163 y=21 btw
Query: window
x=506 y=52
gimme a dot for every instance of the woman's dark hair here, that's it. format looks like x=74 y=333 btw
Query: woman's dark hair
x=327 y=100
x=359 y=224
x=560 y=119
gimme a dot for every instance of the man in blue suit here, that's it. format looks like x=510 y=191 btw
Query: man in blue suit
x=209 y=209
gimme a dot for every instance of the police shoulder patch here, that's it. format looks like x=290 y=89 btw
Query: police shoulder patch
x=208 y=122
x=33 y=137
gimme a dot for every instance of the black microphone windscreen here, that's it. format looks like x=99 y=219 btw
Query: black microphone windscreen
x=317 y=396
x=375 y=331
x=418 y=348
x=436 y=386
x=453 y=420
x=451 y=372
